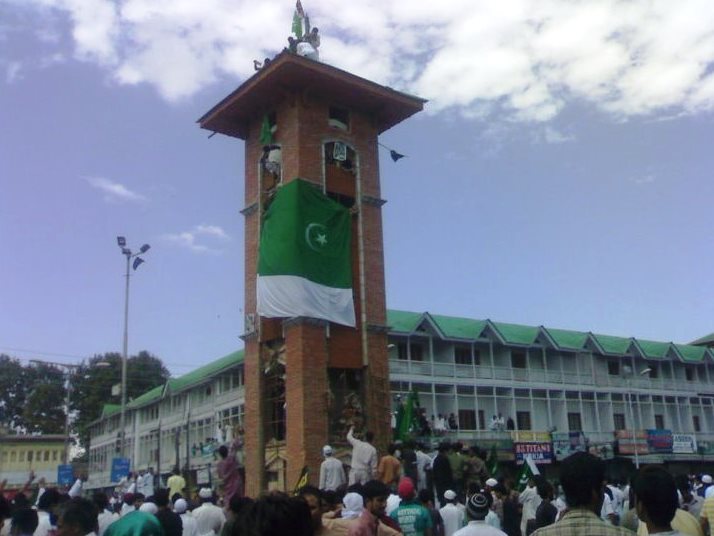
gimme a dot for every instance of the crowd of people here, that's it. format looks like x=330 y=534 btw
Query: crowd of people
x=407 y=491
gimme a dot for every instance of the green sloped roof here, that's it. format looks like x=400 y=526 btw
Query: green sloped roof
x=148 y=397
x=461 y=328
x=205 y=372
x=110 y=409
x=653 y=349
x=613 y=345
x=694 y=354
x=707 y=340
x=404 y=321
x=515 y=333
x=568 y=339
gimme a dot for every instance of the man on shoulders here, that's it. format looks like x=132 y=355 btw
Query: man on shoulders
x=364 y=458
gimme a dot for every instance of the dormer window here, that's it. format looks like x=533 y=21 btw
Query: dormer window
x=339 y=118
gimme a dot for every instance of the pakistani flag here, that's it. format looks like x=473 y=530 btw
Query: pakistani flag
x=528 y=471
x=304 y=262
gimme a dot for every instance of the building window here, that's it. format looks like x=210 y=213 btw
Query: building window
x=339 y=118
x=659 y=422
x=523 y=420
x=575 y=423
x=689 y=374
x=462 y=355
x=13 y=456
x=654 y=371
x=518 y=360
x=29 y=456
x=22 y=456
x=695 y=422
x=481 y=420
x=619 y=421
x=613 y=368
x=415 y=352
x=467 y=419
x=47 y=456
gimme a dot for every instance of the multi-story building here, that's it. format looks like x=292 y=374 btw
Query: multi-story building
x=21 y=454
x=550 y=385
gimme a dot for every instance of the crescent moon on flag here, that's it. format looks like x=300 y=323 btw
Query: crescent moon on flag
x=308 y=237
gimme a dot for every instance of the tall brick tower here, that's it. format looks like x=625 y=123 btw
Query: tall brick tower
x=308 y=380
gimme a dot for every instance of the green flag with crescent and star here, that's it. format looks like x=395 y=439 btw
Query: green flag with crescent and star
x=304 y=261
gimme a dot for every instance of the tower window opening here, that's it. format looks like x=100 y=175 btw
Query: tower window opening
x=339 y=118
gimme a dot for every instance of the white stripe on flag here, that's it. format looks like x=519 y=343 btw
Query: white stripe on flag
x=291 y=295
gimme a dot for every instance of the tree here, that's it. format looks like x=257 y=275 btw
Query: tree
x=93 y=381
x=12 y=392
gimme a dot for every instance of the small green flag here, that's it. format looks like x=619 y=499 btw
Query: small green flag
x=528 y=471
x=492 y=464
x=297 y=25
x=305 y=256
x=266 y=133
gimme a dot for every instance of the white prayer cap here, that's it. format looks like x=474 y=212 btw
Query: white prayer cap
x=491 y=482
x=180 y=506
x=149 y=508
x=205 y=493
x=353 y=505
x=449 y=495
x=707 y=479
x=327 y=450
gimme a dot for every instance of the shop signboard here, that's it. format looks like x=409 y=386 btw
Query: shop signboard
x=659 y=441
x=566 y=443
x=629 y=441
x=684 y=444
x=120 y=469
x=539 y=452
x=65 y=475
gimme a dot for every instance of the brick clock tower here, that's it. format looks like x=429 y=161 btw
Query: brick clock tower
x=308 y=380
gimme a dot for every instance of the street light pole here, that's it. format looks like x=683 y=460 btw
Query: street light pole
x=630 y=374
x=121 y=241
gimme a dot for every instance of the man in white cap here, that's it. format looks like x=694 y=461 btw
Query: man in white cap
x=209 y=517
x=477 y=508
x=190 y=526
x=332 y=474
x=452 y=515
x=708 y=488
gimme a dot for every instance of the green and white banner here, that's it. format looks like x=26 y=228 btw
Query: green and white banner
x=304 y=264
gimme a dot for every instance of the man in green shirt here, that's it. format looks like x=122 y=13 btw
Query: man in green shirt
x=412 y=517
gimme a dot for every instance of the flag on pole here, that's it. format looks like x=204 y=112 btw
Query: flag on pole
x=407 y=424
x=492 y=463
x=266 y=133
x=528 y=471
x=297 y=24
x=303 y=480
x=304 y=261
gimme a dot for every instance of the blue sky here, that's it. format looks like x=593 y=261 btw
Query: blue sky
x=561 y=174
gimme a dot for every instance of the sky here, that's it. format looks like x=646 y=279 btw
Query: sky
x=560 y=175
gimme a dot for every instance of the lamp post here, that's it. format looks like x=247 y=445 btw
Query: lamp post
x=629 y=375
x=121 y=242
x=69 y=370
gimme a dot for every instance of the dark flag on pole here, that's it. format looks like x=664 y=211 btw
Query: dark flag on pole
x=395 y=155
x=303 y=481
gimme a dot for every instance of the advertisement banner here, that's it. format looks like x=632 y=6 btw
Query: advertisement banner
x=629 y=441
x=120 y=469
x=684 y=444
x=504 y=447
x=566 y=443
x=659 y=441
x=528 y=436
x=539 y=452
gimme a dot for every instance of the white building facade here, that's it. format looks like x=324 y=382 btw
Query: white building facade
x=545 y=383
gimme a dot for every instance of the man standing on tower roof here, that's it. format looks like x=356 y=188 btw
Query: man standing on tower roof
x=363 y=467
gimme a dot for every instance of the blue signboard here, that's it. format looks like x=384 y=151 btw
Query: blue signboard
x=120 y=468
x=660 y=441
x=65 y=475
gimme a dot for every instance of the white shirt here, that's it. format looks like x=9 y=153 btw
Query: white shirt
x=190 y=525
x=493 y=520
x=126 y=508
x=44 y=525
x=145 y=485
x=332 y=474
x=364 y=455
x=210 y=519
x=76 y=489
x=423 y=465
x=105 y=519
x=530 y=500
x=479 y=528
x=453 y=518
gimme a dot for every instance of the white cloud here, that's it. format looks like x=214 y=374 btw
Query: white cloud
x=12 y=72
x=523 y=58
x=114 y=191
x=194 y=238
x=552 y=135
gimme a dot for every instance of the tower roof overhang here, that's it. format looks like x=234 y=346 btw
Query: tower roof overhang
x=288 y=74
